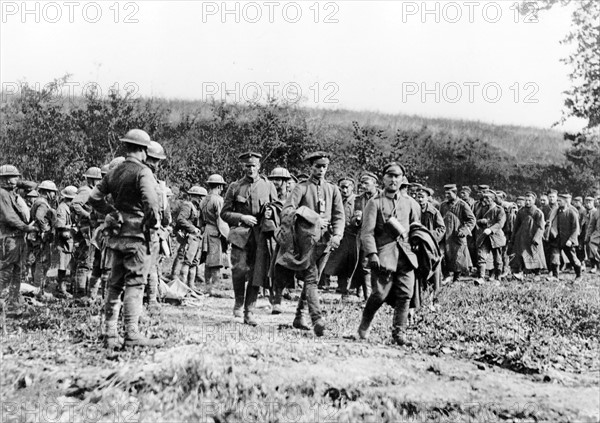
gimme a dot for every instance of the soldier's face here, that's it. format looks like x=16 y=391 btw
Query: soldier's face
x=576 y=203
x=552 y=199
x=450 y=195
x=391 y=182
x=346 y=189
x=368 y=185
x=544 y=201
x=561 y=202
x=252 y=169
x=277 y=182
x=422 y=198
x=529 y=201
x=9 y=182
x=487 y=201
x=319 y=168
x=463 y=195
x=589 y=204
x=290 y=185
x=520 y=203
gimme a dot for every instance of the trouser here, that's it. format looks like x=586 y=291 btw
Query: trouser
x=483 y=253
x=42 y=261
x=569 y=253
x=130 y=267
x=594 y=253
x=12 y=250
x=189 y=255
x=152 y=287
x=396 y=289
x=581 y=253
x=310 y=290
x=242 y=272
x=282 y=278
x=83 y=257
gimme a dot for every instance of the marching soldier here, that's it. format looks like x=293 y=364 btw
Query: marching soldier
x=13 y=227
x=459 y=221
x=189 y=235
x=511 y=213
x=216 y=231
x=245 y=201
x=465 y=195
x=280 y=178
x=321 y=204
x=592 y=235
x=85 y=224
x=384 y=236
x=131 y=223
x=30 y=198
x=64 y=239
x=343 y=261
x=526 y=241
x=490 y=236
x=434 y=222
x=562 y=233
x=43 y=217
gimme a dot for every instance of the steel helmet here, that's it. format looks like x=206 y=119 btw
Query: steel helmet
x=115 y=162
x=93 y=173
x=196 y=190
x=137 y=137
x=69 y=192
x=215 y=179
x=104 y=169
x=48 y=186
x=33 y=193
x=9 y=170
x=280 y=173
x=156 y=151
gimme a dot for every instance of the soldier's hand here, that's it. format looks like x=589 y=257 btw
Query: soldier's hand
x=487 y=231
x=249 y=220
x=569 y=244
x=335 y=242
x=324 y=224
x=374 y=261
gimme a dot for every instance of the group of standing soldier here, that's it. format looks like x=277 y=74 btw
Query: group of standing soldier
x=391 y=243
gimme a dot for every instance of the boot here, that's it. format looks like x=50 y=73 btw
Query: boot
x=239 y=291
x=176 y=270
x=111 y=319
x=578 y=271
x=481 y=279
x=299 y=321
x=250 y=304
x=132 y=309
x=363 y=328
x=185 y=272
x=400 y=321
x=81 y=277
x=191 y=281
x=319 y=327
x=61 y=285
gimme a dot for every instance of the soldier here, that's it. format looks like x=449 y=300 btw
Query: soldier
x=13 y=227
x=155 y=154
x=592 y=236
x=583 y=222
x=384 y=236
x=520 y=202
x=362 y=276
x=64 y=239
x=590 y=210
x=562 y=234
x=526 y=240
x=43 y=217
x=321 y=203
x=432 y=220
x=245 y=202
x=216 y=231
x=511 y=213
x=30 y=198
x=414 y=188
x=343 y=261
x=459 y=221
x=280 y=178
x=85 y=224
x=490 y=237
x=131 y=222
x=548 y=210
x=291 y=183
x=543 y=200
x=189 y=235
x=465 y=195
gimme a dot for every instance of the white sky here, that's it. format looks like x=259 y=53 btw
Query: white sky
x=378 y=56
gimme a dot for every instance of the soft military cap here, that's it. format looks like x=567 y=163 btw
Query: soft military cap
x=318 y=155
x=531 y=194
x=589 y=198
x=368 y=175
x=520 y=197
x=465 y=189
x=565 y=196
x=428 y=191
x=450 y=187
x=483 y=187
x=250 y=157
x=394 y=168
x=346 y=179
x=578 y=198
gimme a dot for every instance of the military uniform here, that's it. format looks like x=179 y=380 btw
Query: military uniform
x=64 y=241
x=592 y=237
x=84 y=249
x=42 y=242
x=459 y=221
x=214 y=242
x=249 y=262
x=188 y=228
x=433 y=221
x=526 y=241
x=492 y=218
x=563 y=227
x=13 y=226
x=136 y=209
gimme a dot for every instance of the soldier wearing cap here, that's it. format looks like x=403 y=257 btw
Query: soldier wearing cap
x=43 y=216
x=384 y=236
x=526 y=240
x=30 y=198
x=245 y=202
x=583 y=220
x=465 y=195
x=562 y=236
x=280 y=177
x=189 y=234
x=459 y=221
x=343 y=261
x=13 y=226
x=64 y=239
x=511 y=214
x=543 y=200
x=548 y=210
x=291 y=183
x=216 y=231
x=490 y=237
x=319 y=204
x=85 y=222
x=132 y=222
x=302 y=177
x=592 y=234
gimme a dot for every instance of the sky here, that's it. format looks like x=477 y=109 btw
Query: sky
x=469 y=60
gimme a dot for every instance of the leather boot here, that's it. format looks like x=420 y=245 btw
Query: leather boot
x=481 y=273
x=132 y=309
x=61 y=285
x=250 y=304
x=400 y=321
x=111 y=318
x=191 y=280
x=81 y=277
x=176 y=270
x=185 y=272
x=299 y=320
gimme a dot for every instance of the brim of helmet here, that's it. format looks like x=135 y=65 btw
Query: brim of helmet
x=67 y=196
x=157 y=156
x=128 y=141
x=85 y=175
x=216 y=183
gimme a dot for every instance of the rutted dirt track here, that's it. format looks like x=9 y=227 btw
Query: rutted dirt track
x=213 y=368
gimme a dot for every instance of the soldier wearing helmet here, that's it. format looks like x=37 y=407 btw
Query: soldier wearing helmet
x=43 y=217
x=133 y=219
x=280 y=177
x=13 y=226
x=189 y=234
x=64 y=239
x=85 y=222
x=216 y=231
x=243 y=209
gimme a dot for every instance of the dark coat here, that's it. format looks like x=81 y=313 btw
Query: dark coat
x=527 y=236
x=494 y=219
x=460 y=221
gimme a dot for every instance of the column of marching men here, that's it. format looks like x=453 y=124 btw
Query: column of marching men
x=393 y=242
